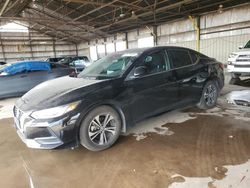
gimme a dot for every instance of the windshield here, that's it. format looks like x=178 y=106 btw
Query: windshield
x=70 y=60
x=247 y=45
x=66 y=60
x=110 y=66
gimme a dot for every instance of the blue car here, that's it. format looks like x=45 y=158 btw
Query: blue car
x=18 y=78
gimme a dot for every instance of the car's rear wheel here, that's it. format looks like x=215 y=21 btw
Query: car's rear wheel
x=209 y=96
x=100 y=128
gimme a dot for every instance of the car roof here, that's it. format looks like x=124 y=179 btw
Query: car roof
x=150 y=49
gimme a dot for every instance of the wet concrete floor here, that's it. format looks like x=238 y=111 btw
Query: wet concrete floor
x=201 y=146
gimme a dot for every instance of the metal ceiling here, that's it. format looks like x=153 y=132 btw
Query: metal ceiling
x=83 y=20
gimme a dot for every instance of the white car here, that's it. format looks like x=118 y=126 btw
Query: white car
x=239 y=62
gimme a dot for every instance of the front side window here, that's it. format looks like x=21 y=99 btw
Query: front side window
x=110 y=66
x=155 y=62
x=247 y=45
x=179 y=58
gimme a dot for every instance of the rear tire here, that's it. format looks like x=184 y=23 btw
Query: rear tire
x=209 y=96
x=100 y=128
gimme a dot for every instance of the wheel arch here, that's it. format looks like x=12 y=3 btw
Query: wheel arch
x=116 y=106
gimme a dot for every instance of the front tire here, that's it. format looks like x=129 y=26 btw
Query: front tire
x=100 y=128
x=235 y=75
x=209 y=96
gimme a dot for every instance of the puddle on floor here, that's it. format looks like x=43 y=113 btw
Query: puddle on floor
x=155 y=124
x=189 y=148
x=235 y=177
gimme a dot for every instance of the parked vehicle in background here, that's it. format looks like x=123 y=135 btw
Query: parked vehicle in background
x=78 y=62
x=54 y=59
x=2 y=65
x=239 y=62
x=16 y=79
x=113 y=93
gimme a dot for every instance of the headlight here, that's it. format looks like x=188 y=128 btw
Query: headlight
x=54 y=112
x=232 y=55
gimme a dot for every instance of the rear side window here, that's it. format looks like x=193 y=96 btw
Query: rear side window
x=179 y=58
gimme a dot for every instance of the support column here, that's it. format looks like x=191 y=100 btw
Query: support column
x=126 y=39
x=54 y=48
x=105 y=46
x=155 y=34
x=2 y=47
x=196 y=24
x=198 y=35
x=76 y=49
x=30 y=44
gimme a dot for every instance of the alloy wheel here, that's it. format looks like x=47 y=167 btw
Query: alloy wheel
x=210 y=95
x=102 y=129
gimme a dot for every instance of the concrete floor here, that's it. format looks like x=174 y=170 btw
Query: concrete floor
x=184 y=148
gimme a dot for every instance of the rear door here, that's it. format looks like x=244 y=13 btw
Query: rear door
x=12 y=85
x=153 y=92
x=188 y=74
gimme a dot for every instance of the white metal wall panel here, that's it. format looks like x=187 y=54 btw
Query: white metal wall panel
x=221 y=47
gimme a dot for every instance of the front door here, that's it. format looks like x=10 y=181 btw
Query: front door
x=156 y=90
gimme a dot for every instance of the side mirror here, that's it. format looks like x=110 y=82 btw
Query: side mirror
x=240 y=47
x=139 y=71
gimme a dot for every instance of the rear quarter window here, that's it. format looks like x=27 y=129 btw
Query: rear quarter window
x=179 y=58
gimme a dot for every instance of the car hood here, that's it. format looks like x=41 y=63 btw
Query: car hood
x=243 y=51
x=56 y=92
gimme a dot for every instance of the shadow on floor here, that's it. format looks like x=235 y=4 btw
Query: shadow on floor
x=240 y=82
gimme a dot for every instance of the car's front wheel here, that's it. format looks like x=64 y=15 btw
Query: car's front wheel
x=100 y=128
x=209 y=96
x=236 y=75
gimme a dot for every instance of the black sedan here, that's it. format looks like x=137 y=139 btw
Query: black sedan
x=16 y=79
x=114 y=93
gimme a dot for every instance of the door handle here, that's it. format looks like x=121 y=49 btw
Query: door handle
x=23 y=76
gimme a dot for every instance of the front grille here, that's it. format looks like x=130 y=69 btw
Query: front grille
x=244 y=56
x=242 y=102
x=242 y=66
x=243 y=60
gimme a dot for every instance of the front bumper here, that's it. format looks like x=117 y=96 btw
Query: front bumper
x=44 y=135
x=40 y=143
x=239 y=64
x=235 y=69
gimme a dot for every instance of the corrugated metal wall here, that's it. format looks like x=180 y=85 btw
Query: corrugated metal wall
x=221 y=47
x=221 y=33
x=18 y=46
